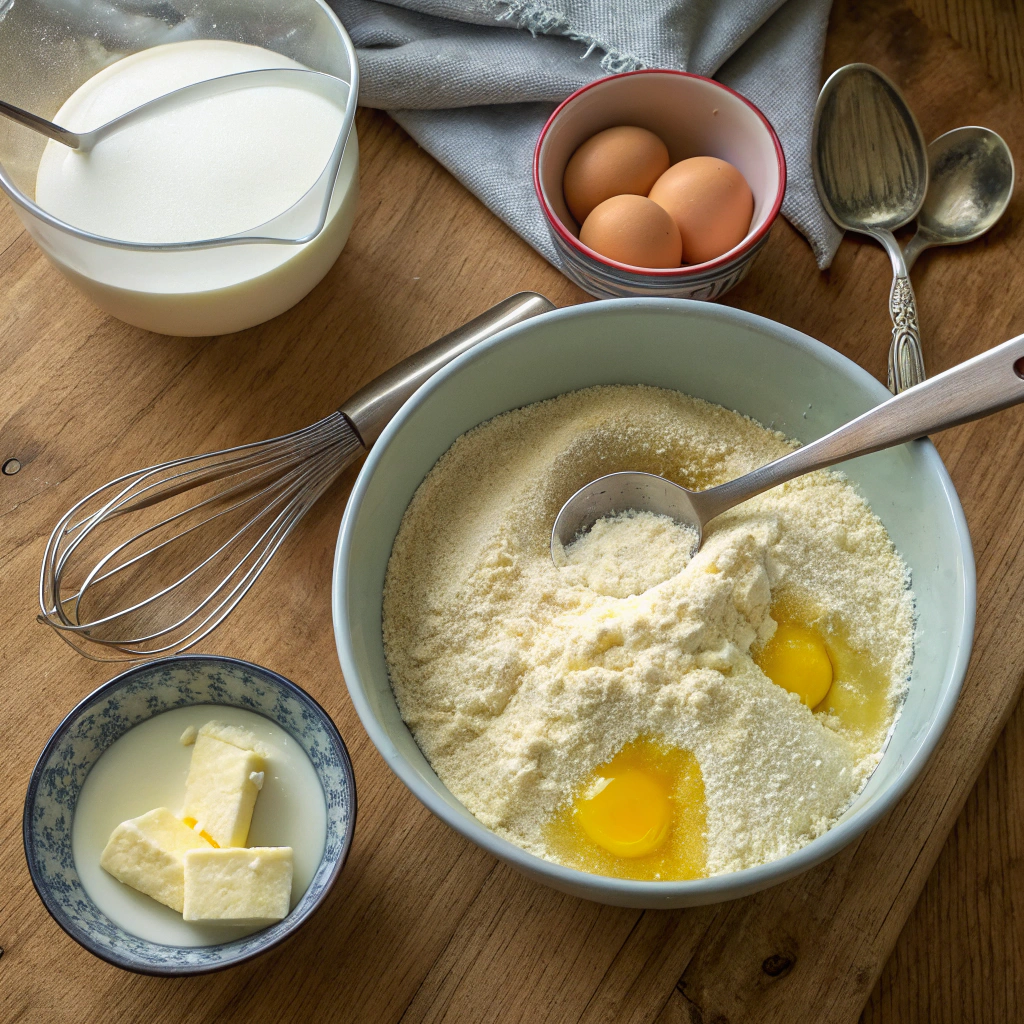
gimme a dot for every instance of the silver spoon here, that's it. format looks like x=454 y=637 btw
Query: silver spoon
x=970 y=181
x=871 y=172
x=980 y=386
x=300 y=223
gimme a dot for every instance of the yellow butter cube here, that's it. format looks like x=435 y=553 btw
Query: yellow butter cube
x=238 y=885
x=220 y=791
x=148 y=853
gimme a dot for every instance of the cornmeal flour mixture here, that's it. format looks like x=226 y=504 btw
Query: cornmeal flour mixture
x=518 y=677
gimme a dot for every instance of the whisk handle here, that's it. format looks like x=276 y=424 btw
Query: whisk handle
x=370 y=408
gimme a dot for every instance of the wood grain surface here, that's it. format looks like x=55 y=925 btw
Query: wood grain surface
x=422 y=925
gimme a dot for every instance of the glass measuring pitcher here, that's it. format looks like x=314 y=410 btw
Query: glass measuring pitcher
x=48 y=48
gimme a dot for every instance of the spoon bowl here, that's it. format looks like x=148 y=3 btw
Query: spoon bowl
x=971 y=178
x=870 y=161
x=622 y=492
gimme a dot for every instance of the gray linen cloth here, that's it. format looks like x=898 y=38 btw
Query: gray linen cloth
x=473 y=81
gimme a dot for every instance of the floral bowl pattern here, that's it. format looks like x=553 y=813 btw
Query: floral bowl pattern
x=107 y=714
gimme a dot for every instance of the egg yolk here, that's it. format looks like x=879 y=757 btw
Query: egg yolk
x=641 y=815
x=797 y=659
x=626 y=812
x=854 y=687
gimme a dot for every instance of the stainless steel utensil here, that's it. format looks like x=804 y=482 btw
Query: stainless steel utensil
x=978 y=387
x=970 y=181
x=871 y=171
x=300 y=223
x=153 y=561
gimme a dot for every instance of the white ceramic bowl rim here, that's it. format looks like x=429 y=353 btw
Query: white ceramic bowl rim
x=689 y=269
x=718 y=887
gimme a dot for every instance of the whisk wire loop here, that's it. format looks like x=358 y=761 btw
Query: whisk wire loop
x=120 y=503
x=120 y=582
x=266 y=488
x=283 y=485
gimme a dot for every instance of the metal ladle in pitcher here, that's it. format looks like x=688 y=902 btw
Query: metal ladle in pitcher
x=297 y=225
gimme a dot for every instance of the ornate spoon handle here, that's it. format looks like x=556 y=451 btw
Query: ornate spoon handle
x=906 y=364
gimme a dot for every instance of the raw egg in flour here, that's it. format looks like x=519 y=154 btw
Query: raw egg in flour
x=626 y=811
x=614 y=162
x=642 y=815
x=835 y=679
x=797 y=659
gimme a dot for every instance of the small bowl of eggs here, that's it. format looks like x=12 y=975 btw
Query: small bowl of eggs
x=658 y=183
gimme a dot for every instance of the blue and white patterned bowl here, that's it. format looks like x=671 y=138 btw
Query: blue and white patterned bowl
x=106 y=715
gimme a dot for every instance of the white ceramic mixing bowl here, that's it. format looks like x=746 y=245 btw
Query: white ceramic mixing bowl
x=744 y=362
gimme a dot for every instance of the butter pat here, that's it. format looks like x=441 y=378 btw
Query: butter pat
x=219 y=793
x=148 y=853
x=238 y=885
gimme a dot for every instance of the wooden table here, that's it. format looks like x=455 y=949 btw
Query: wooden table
x=422 y=925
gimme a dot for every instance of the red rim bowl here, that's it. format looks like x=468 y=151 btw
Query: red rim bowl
x=700 y=131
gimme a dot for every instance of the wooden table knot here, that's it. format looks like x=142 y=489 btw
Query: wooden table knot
x=778 y=964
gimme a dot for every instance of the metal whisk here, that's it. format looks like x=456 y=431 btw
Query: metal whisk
x=152 y=562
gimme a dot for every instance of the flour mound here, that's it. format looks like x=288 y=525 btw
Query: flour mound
x=519 y=677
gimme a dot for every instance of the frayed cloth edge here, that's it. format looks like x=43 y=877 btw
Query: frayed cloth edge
x=540 y=19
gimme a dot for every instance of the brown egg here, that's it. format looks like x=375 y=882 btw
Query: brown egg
x=710 y=202
x=631 y=229
x=615 y=162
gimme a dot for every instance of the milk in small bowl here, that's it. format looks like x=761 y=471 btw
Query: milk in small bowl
x=127 y=751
